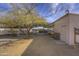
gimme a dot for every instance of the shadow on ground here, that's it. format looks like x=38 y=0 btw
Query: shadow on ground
x=6 y=39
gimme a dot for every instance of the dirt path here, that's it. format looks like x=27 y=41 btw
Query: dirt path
x=15 y=48
x=43 y=45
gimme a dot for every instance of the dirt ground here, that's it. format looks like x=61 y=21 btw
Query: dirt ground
x=43 y=45
x=13 y=46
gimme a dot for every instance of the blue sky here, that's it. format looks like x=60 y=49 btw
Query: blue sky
x=50 y=12
x=4 y=7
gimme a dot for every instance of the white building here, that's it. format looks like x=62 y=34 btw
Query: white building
x=68 y=27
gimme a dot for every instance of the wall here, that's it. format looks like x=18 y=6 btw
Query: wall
x=62 y=26
x=4 y=31
x=74 y=23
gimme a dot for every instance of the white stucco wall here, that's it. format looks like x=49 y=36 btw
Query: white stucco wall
x=65 y=26
x=74 y=23
x=62 y=26
x=9 y=31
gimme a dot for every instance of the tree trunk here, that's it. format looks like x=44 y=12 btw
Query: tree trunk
x=28 y=33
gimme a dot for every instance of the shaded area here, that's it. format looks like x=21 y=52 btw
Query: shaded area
x=43 y=45
x=6 y=39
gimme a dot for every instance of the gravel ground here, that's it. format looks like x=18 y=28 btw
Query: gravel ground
x=43 y=45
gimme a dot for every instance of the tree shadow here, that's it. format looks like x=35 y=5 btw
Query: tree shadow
x=10 y=38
